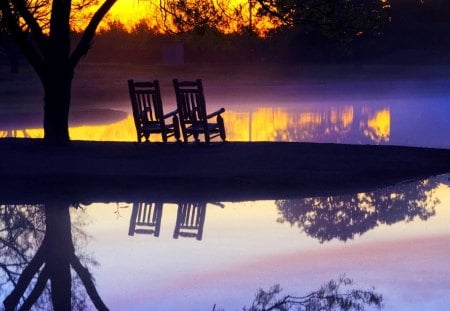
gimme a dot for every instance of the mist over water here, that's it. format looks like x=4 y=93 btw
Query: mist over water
x=388 y=112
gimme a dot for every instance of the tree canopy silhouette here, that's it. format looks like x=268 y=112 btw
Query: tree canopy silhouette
x=339 y=25
x=41 y=28
x=329 y=297
x=343 y=217
x=342 y=18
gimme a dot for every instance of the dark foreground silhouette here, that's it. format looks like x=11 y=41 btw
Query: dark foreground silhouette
x=99 y=171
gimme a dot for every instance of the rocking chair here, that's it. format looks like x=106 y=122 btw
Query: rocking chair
x=148 y=114
x=192 y=111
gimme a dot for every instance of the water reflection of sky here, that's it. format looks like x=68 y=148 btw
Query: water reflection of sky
x=410 y=123
x=244 y=247
x=396 y=239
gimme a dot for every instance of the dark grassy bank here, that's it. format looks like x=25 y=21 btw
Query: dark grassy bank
x=99 y=171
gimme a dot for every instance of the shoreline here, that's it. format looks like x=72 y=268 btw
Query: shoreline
x=114 y=171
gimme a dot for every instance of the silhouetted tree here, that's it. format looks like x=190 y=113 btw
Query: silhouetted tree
x=420 y=25
x=328 y=298
x=45 y=231
x=343 y=217
x=188 y=15
x=345 y=22
x=343 y=19
x=41 y=28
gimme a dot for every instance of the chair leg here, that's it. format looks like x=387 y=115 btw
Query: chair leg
x=176 y=128
x=221 y=128
x=196 y=137
x=183 y=131
x=163 y=132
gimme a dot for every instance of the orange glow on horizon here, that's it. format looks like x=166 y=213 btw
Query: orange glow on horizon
x=261 y=124
x=132 y=13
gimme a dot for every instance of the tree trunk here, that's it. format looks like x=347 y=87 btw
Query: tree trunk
x=60 y=248
x=57 y=86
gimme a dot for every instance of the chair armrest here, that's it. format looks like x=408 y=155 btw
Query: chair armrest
x=219 y=204
x=171 y=114
x=216 y=113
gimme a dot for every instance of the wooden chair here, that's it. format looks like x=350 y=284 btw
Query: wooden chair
x=146 y=218
x=148 y=114
x=190 y=220
x=192 y=111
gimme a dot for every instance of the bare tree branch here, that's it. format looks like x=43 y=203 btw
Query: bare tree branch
x=37 y=290
x=22 y=38
x=25 y=278
x=31 y=21
x=86 y=278
x=89 y=32
x=273 y=11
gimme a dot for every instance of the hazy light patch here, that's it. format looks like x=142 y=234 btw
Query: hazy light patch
x=378 y=126
x=332 y=124
x=23 y=133
x=119 y=131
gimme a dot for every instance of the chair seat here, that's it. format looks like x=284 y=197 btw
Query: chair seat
x=155 y=127
x=200 y=128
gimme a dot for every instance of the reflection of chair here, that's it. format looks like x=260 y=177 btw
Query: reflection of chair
x=192 y=111
x=190 y=220
x=146 y=218
x=148 y=111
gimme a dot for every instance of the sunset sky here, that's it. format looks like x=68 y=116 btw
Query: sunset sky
x=131 y=12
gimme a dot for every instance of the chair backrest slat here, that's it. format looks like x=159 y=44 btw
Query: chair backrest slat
x=191 y=107
x=146 y=218
x=148 y=113
x=190 y=101
x=146 y=101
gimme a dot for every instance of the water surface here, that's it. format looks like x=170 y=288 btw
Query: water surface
x=409 y=113
x=396 y=239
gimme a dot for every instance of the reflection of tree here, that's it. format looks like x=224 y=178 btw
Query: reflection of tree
x=342 y=217
x=22 y=229
x=344 y=123
x=330 y=297
x=51 y=262
x=15 y=133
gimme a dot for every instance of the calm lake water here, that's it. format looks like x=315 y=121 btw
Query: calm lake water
x=408 y=113
x=396 y=239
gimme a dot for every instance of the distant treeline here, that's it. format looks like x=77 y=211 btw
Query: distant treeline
x=416 y=31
